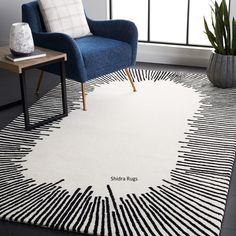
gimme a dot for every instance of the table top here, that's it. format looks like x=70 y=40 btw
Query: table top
x=17 y=67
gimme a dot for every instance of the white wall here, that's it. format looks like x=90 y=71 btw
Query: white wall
x=96 y=9
x=10 y=12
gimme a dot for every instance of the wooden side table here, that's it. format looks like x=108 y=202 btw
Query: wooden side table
x=21 y=67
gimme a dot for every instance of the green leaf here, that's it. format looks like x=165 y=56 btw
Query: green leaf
x=227 y=33
x=212 y=9
x=219 y=28
x=233 y=51
x=223 y=35
x=217 y=7
x=212 y=22
x=210 y=36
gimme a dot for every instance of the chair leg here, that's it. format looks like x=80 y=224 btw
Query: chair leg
x=130 y=79
x=83 y=96
x=39 y=82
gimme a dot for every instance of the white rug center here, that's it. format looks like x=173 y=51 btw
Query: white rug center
x=127 y=140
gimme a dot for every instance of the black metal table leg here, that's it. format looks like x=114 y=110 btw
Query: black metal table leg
x=63 y=88
x=25 y=104
x=24 y=100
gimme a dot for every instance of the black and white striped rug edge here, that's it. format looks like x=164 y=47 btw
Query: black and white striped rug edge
x=191 y=203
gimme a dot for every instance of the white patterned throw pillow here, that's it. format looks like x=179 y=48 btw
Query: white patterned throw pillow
x=64 y=16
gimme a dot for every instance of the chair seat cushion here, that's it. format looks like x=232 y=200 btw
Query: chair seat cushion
x=103 y=55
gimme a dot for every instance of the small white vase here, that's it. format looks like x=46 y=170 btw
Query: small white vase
x=21 y=39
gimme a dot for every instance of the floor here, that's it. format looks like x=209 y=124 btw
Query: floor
x=9 y=80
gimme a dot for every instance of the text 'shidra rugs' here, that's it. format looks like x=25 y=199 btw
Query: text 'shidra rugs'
x=154 y=162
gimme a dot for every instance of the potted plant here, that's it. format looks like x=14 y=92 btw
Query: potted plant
x=221 y=70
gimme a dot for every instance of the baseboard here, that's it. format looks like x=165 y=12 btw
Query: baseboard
x=175 y=55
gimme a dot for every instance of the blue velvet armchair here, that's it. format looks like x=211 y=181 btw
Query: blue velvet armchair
x=112 y=47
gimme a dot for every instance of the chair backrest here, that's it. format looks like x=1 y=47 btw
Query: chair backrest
x=31 y=14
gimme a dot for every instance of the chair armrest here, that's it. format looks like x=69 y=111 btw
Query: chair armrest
x=63 y=43
x=122 y=30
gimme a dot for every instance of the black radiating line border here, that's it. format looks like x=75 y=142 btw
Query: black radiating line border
x=191 y=202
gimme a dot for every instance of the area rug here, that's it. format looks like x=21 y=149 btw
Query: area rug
x=154 y=162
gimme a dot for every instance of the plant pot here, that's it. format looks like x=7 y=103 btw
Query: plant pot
x=221 y=70
x=21 y=40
